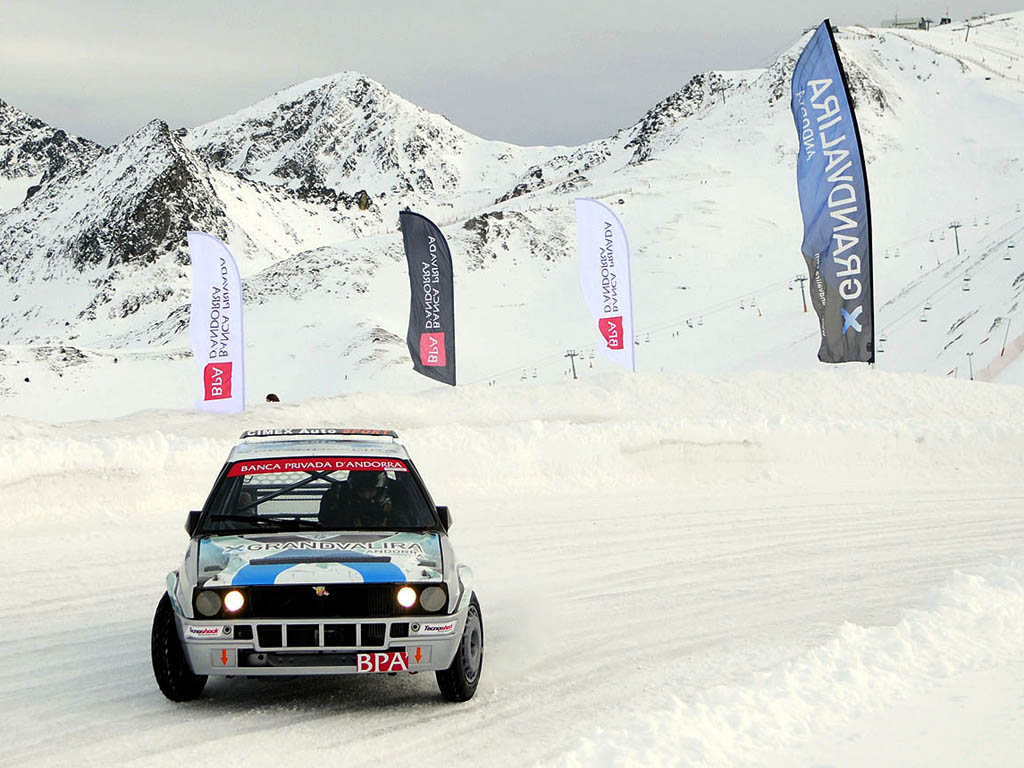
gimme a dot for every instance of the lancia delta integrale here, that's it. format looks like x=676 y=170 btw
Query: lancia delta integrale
x=318 y=552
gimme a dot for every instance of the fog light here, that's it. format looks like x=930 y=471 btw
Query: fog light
x=233 y=601
x=208 y=603
x=406 y=597
x=432 y=599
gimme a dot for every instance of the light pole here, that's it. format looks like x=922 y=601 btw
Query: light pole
x=970 y=364
x=802 y=279
x=955 y=226
x=571 y=354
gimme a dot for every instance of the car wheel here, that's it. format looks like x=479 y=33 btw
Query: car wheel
x=170 y=667
x=459 y=681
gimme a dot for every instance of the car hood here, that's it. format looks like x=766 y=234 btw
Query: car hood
x=319 y=558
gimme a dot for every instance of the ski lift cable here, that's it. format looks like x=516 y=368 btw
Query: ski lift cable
x=681 y=320
x=725 y=304
x=970 y=264
x=677 y=322
x=958 y=277
x=911 y=239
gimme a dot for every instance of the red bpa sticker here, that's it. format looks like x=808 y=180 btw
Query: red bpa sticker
x=382 y=662
x=217 y=381
x=611 y=329
x=432 y=349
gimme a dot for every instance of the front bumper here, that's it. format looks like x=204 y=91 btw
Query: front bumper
x=322 y=646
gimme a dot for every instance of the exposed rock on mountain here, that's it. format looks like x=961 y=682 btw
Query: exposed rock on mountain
x=133 y=204
x=34 y=152
x=702 y=90
x=508 y=236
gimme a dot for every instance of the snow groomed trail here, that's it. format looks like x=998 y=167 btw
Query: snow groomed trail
x=672 y=569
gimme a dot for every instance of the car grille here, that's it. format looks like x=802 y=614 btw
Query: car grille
x=339 y=601
x=304 y=635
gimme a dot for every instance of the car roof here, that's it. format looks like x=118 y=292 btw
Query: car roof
x=333 y=445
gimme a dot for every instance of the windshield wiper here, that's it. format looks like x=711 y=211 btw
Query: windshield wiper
x=239 y=518
x=300 y=521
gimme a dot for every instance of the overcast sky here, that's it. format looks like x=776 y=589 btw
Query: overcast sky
x=525 y=71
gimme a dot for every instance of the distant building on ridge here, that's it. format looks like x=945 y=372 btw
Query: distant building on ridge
x=919 y=23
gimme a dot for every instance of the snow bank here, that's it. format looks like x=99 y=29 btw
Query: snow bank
x=611 y=431
x=976 y=622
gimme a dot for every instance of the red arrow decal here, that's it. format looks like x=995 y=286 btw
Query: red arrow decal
x=419 y=653
x=224 y=656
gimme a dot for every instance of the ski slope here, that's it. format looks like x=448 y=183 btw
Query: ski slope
x=673 y=570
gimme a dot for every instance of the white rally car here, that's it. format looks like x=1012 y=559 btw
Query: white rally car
x=318 y=552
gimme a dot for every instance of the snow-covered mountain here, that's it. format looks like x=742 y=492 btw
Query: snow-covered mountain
x=342 y=135
x=32 y=152
x=704 y=182
x=112 y=236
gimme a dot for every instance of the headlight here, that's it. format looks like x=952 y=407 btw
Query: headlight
x=432 y=599
x=406 y=597
x=208 y=603
x=233 y=601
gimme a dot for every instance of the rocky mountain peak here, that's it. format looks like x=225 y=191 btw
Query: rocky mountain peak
x=134 y=203
x=700 y=92
x=32 y=150
x=345 y=133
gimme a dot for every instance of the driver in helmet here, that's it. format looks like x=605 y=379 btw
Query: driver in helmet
x=369 y=503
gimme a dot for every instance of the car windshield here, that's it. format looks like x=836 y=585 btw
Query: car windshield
x=318 y=493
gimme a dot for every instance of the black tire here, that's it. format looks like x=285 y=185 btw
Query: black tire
x=170 y=667
x=459 y=681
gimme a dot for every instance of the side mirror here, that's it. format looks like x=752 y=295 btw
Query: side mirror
x=446 y=517
x=192 y=521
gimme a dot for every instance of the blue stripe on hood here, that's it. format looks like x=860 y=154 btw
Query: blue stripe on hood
x=266 y=573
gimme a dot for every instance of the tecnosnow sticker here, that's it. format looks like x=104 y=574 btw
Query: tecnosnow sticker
x=434 y=629
x=198 y=632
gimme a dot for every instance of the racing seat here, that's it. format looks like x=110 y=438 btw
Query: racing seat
x=245 y=500
x=334 y=507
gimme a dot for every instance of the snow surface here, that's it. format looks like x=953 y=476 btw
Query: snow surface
x=673 y=569
x=13 y=191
